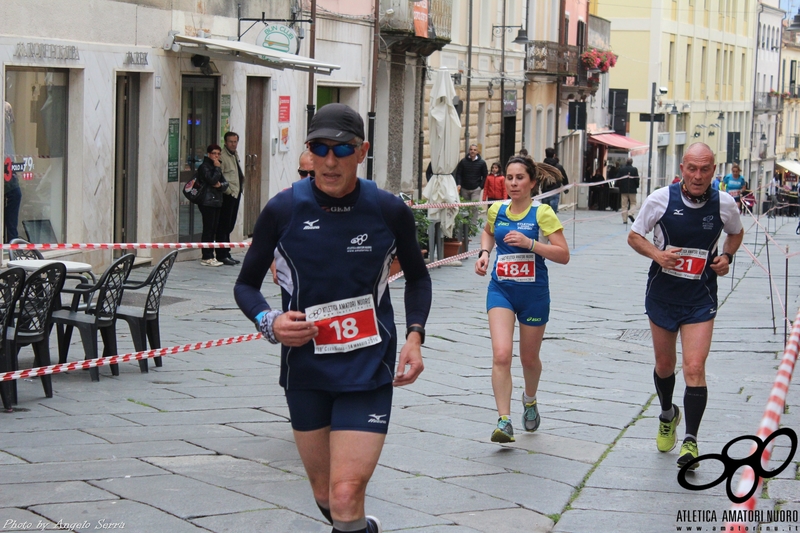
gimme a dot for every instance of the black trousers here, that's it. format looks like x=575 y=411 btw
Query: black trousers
x=210 y=226
x=227 y=220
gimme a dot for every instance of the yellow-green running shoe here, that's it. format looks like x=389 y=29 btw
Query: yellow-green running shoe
x=504 y=432
x=688 y=452
x=667 y=436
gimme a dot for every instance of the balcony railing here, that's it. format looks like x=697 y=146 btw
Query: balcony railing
x=767 y=103
x=440 y=15
x=552 y=59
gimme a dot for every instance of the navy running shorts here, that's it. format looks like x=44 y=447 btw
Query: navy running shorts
x=531 y=305
x=342 y=411
x=671 y=317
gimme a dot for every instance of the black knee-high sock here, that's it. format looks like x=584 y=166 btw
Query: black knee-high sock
x=334 y=530
x=325 y=512
x=694 y=404
x=664 y=389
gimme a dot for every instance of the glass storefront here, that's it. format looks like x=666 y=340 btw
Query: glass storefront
x=198 y=130
x=35 y=154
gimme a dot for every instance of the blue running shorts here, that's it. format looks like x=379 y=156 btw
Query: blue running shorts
x=531 y=305
x=671 y=317
x=342 y=411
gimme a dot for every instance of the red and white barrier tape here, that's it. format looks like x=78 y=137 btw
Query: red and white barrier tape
x=161 y=352
x=124 y=245
x=115 y=359
x=770 y=421
x=446 y=260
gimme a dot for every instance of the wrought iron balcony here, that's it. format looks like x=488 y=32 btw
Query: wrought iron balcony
x=397 y=28
x=547 y=58
x=581 y=86
x=768 y=103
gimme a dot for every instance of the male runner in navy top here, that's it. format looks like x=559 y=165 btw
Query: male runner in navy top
x=688 y=218
x=334 y=237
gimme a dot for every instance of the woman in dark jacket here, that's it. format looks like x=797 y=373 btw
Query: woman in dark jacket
x=209 y=173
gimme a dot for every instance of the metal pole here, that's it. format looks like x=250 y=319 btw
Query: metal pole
x=469 y=80
x=650 y=150
x=421 y=135
x=503 y=88
x=312 y=43
x=755 y=242
x=786 y=294
x=376 y=33
x=769 y=280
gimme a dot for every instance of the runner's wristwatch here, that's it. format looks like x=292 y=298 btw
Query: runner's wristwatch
x=418 y=329
x=730 y=257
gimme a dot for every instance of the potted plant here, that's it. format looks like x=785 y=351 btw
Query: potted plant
x=421 y=223
x=464 y=229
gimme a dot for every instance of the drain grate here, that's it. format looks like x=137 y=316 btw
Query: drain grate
x=640 y=335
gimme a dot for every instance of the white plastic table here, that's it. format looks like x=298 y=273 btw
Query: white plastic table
x=73 y=267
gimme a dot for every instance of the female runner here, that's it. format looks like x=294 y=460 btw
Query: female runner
x=519 y=287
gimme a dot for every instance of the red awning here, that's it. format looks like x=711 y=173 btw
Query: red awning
x=614 y=140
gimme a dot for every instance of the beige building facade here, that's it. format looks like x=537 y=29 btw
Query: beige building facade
x=699 y=54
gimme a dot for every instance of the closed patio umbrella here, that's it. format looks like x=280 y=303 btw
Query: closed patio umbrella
x=445 y=134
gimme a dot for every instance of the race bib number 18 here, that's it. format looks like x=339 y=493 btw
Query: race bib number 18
x=344 y=325
x=517 y=267
x=690 y=265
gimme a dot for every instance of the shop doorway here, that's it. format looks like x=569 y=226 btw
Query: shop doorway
x=125 y=157
x=509 y=139
x=199 y=128
x=253 y=152
x=34 y=154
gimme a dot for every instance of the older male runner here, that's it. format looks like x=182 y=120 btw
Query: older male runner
x=688 y=218
x=336 y=236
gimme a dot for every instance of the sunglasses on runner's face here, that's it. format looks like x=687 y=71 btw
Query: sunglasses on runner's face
x=339 y=150
x=306 y=173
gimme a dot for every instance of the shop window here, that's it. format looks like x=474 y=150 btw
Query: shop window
x=35 y=153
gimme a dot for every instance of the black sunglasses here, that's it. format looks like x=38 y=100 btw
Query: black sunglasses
x=305 y=173
x=339 y=150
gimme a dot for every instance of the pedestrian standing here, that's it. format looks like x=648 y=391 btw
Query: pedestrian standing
x=688 y=218
x=495 y=186
x=232 y=170
x=628 y=188
x=552 y=160
x=337 y=235
x=525 y=235
x=470 y=177
x=209 y=173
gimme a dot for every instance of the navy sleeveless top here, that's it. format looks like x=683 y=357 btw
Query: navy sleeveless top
x=697 y=231
x=332 y=257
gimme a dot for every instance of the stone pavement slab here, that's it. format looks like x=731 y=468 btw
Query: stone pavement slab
x=504 y=519
x=122 y=515
x=180 y=496
x=212 y=424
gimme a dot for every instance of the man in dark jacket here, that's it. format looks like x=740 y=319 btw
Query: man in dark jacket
x=470 y=176
x=627 y=189
x=552 y=160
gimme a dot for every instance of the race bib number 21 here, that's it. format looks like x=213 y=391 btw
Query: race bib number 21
x=344 y=325
x=690 y=265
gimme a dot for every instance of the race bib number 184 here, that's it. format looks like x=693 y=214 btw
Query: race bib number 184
x=690 y=265
x=517 y=267
x=344 y=325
